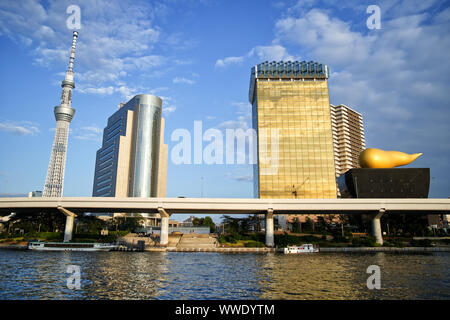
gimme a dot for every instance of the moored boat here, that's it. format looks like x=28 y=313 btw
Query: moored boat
x=70 y=246
x=304 y=248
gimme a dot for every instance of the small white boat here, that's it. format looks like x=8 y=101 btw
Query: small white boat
x=70 y=246
x=304 y=248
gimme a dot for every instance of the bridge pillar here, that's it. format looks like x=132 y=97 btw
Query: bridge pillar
x=70 y=218
x=269 y=228
x=69 y=228
x=376 y=226
x=164 y=236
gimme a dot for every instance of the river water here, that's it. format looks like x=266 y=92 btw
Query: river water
x=205 y=275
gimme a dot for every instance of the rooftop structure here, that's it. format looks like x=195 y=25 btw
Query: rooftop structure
x=286 y=70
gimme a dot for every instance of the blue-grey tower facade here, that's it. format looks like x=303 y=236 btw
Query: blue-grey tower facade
x=64 y=113
x=133 y=158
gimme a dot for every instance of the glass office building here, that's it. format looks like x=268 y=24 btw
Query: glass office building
x=291 y=114
x=132 y=161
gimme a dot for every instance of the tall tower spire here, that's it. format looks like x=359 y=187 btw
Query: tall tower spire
x=63 y=113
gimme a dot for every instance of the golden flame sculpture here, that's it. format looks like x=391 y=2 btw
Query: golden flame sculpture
x=377 y=158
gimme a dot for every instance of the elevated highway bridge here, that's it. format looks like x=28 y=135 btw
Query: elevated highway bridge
x=72 y=206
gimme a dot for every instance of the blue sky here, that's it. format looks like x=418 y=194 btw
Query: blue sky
x=197 y=55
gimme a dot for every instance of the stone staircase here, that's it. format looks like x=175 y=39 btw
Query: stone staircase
x=131 y=239
x=174 y=239
x=178 y=241
x=197 y=241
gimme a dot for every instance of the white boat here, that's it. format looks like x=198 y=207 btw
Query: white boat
x=70 y=246
x=304 y=248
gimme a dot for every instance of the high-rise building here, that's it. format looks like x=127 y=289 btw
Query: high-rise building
x=64 y=113
x=34 y=194
x=132 y=161
x=348 y=137
x=291 y=100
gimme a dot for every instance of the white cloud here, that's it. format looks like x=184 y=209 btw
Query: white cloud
x=125 y=91
x=91 y=133
x=117 y=40
x=221 y=63
x=21 y=18
x=244 y=178
x=263 y=53
x=168 y=110
x=92 y=129
x=183 y=80
x=101 y=90
x=23 y=128
x=143 y=63
x=325 y=37
x=46 y=56
x=397 y=77
x=240 y=123
x=244 y=108
x=243 y=119
x=274 y=52
x=182 y=62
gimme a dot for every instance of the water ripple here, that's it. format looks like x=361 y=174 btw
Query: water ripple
x=155 y=275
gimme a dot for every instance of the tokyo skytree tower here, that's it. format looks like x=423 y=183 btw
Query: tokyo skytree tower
x=63 y=113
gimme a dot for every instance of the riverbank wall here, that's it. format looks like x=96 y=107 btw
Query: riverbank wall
x=386 y=249
x=13 y=246
x=323 y=250
x=274 y=250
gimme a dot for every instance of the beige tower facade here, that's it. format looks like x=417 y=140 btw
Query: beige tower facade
x=162 y=165
x=348 y=137
x=122 y=188
x=132 y=161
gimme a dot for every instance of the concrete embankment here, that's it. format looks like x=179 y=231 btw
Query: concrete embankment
x=197 y=241
x=280 y=250
x=322 y=250
x=386 y=249
x=224 y=250
x=13 y=246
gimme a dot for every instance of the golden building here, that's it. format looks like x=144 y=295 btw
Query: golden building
x=291 y=114
x=348 y=137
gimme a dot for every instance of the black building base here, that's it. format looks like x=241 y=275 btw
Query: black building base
x=385 y=183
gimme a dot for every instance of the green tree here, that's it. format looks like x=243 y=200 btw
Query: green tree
x=254 y=222
x=92 y=224
x=197 y=222
x=37 y=222
x=231 y=224
x=296 y=225
x=320 y=223
x=309 y=224
x=207 y=221
x=128 y=223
